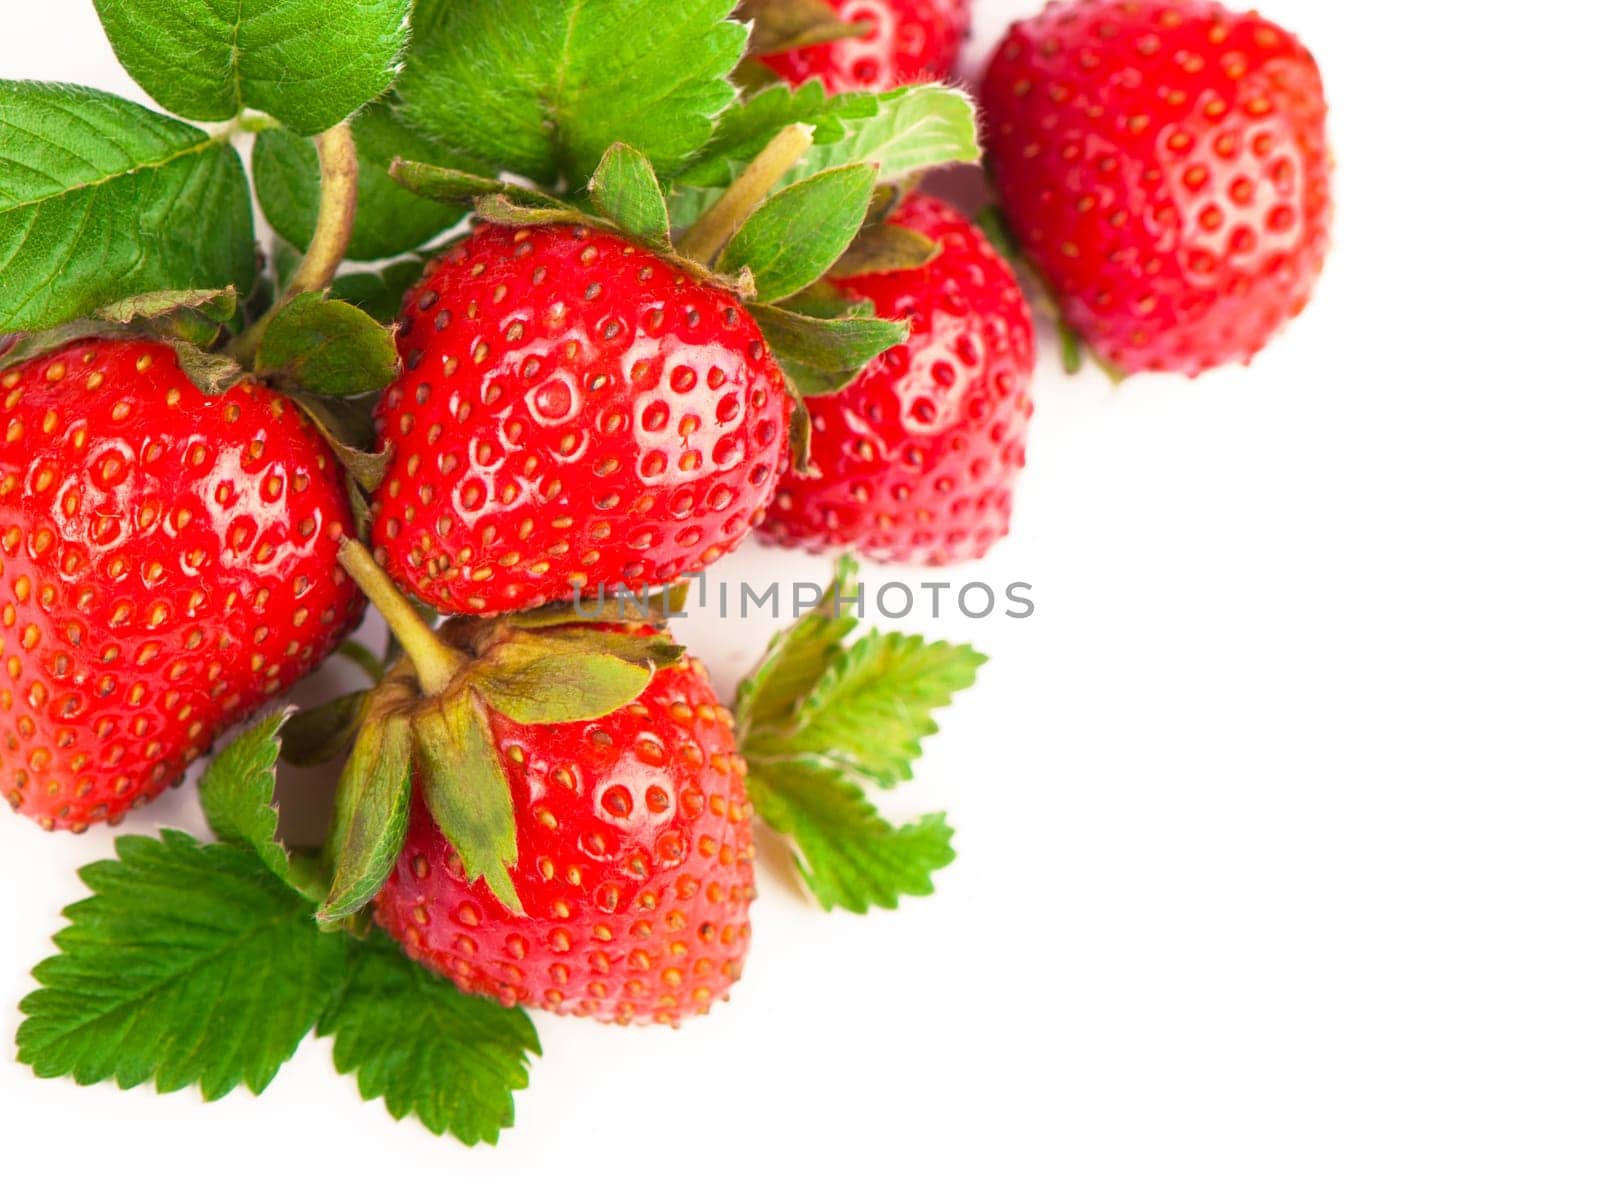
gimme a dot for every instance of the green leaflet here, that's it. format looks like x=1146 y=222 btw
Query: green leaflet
x=624 y=189
x=390 y=219
x=452 y=1061
x=328 y=347
x=797 y=657
x=816 y=717
x=237 y=788
x=544 y=87
x=903 y=132
x=848 y=854
x=187 y=965
x=101 y=199
x=821 y=356
x=371 y=812
x=465 y=782
x=545 y=679
x=307 y=62
x=914 y=129
x=873 y=706
x=796 y=235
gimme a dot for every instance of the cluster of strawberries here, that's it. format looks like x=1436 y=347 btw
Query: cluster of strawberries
x=579 y=411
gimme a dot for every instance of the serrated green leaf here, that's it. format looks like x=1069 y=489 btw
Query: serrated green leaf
x=624 y=189
x=237 y=788
x=371 y=812
x=544 y=87
x=430 y=1051
x=796 y=235
x=101 y=199
x=390 y=219
x=821 y=356
x=914 y=129
x=187 y=965
x=873 y=706
x=464 y=781
x=307 y=62
x=847 y=853
x=743 y=131
x=798 y=656
x=328 y=347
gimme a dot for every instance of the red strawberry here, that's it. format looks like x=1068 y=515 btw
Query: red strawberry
x=909 y=41
x=574 y=412
x=634 y=869
x=1166 y=169
x=168 y=566
x=919 y=454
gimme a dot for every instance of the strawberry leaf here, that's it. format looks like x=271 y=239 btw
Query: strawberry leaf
x=798 y=657
x=745 y=130
x=307 y=62
x=187 y=965
x=870 y=710
x=450 y=1060
x=371 y=812
x=823 y=355
x=566 y=676
x=796 y=235
x=624 y=189
x=815 y=717
x=544 y=87
x=914 y=129
x=467 y=792
x=328 y=347
x=390 y=219
x=237 y=788
x=847 y=853
x=101 y=199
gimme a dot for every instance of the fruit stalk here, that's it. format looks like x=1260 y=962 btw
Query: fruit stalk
x=336 y=217
x=705 y=241
x=435 y=661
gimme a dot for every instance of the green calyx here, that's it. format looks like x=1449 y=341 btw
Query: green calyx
x=429 y=727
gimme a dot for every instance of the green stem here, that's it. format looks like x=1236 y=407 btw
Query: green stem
x=371 y=664
x=435 y=661
x=336 y=219
x=705 y=241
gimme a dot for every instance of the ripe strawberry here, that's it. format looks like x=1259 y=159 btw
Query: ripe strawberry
x=918 y=456
x=168 y=566
x=909 y=41
x=1165 y=167
x=634 y=845
x=574 y=412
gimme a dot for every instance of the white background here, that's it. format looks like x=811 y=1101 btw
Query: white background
x=1278 y=824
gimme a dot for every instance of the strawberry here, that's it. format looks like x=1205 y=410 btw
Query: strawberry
x=634 y=869
x=915 y=460
x=900 y=42
x=548 y=809
x=575 y=412
x=168 y=566
x=1165 y=168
